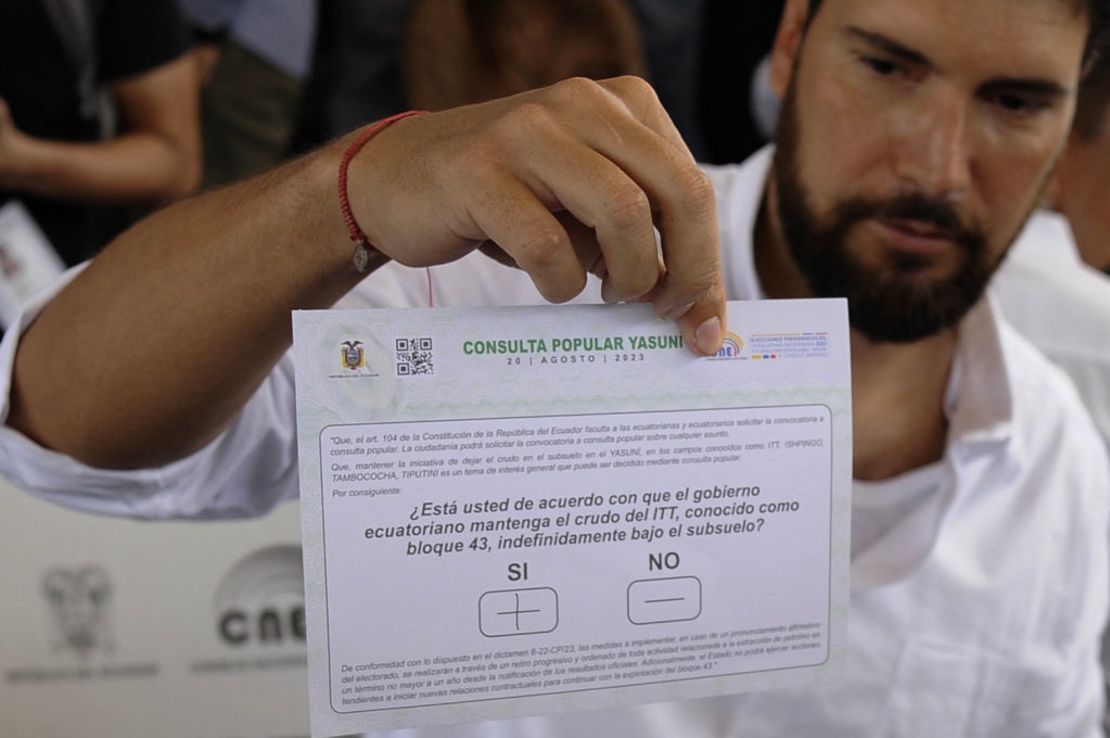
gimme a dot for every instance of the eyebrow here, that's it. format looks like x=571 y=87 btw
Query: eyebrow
x=1044 y=88
x=1041 y=88
x=890 y=46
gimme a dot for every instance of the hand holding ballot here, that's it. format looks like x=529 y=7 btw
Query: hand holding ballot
x=605 y=155
x=563 y=179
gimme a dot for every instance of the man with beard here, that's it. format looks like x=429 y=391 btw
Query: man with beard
x=917 y=138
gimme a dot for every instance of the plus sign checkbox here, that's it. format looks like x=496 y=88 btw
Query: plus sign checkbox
x=518 y=612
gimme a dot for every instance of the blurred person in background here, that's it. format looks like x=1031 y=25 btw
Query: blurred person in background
x=458 y=52
x=357 y=70
x=673 y=32
x=254 y=58
x=1081 y=189
x=98 y=108
x=1053 y=286
x=735 y=104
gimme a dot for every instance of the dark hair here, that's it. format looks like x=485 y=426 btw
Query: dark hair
x=1094 y=99
x=488 y=20
x=1098 y=10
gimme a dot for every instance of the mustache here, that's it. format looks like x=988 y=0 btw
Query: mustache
x=916 y=207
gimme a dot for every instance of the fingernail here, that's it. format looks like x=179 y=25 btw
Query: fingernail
x=677 y=312
x=708 y=336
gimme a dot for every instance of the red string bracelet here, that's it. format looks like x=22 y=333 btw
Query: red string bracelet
x=362 y=243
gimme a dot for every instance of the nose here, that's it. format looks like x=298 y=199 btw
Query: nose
x=933 y=155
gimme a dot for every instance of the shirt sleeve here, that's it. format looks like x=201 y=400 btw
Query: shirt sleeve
x=244 y=472
x=1078 y=704
x=136 y=36
x=212 y=15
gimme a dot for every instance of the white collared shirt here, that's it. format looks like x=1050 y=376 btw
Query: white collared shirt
x=975 y=610
x=1062 y=306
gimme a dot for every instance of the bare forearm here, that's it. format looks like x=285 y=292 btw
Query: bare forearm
x=172 y=328
x=158 y=363
x=135 y=167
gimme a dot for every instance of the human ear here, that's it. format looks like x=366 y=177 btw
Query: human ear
x=788 y=42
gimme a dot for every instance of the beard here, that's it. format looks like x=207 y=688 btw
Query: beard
x=894 y=303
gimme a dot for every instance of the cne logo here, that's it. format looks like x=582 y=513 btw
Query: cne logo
x=353 y=355
x=260 y=601
x=732 y=346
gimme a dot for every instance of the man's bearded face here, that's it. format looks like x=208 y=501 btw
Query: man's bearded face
x=901 y=299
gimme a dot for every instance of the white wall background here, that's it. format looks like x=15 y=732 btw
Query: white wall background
x=112 y=628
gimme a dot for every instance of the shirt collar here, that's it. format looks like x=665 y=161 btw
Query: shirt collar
x=980 y=398
x=741 y=192
x=1045 y=240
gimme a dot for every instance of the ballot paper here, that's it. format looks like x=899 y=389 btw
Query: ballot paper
x=523 y=511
